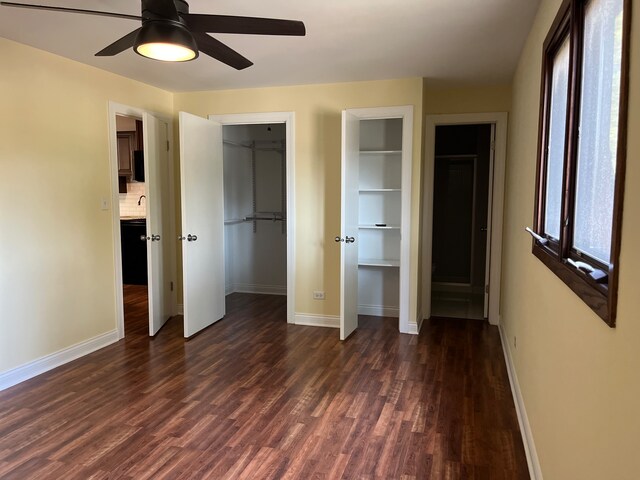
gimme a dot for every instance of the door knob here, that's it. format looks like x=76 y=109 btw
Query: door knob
x=338 y=239
x=180 y=237
x=144 y=237
x=349 y=240
x=155 y=238
x=192 y=238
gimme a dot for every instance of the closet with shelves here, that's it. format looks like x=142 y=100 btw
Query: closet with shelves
x=377 y=153
x=379 y=216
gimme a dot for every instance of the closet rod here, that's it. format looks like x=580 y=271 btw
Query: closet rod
x=275 y=217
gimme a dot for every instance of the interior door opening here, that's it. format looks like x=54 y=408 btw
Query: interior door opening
x=133 y=222
x=255 y=214
x=461 y=217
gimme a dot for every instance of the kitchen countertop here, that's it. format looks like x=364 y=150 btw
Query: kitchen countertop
x=133 y=218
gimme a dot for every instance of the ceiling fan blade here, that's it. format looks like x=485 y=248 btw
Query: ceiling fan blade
x=119 y=45
x=164 y=9
x=218 y=50
x=70 y=10
x=248 y=25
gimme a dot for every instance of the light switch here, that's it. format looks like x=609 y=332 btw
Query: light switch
x=104 y=204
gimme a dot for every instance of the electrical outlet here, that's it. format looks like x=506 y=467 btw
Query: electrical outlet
x=317 y=295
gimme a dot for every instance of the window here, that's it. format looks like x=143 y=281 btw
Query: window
x=582 y=147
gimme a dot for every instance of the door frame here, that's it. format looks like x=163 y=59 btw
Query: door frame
x=288 y=118
x=496 y=195
x=125 y=110
x=404 y=112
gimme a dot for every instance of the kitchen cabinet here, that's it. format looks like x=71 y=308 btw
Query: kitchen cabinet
x=127 y=143
x=134 y=251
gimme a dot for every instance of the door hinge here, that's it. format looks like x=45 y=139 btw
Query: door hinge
x=493 y=145
x=486 y=289
x=167 y=145
x=171 y=283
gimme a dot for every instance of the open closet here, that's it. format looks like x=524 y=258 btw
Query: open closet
x=375 y=217
x=380 y=186
x=255 y=208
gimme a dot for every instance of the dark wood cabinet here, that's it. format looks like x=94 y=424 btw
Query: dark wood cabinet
x=127 y=143
x=134 y=252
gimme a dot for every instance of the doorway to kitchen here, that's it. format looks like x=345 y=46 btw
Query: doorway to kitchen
x=133 y=221
x=143 y=219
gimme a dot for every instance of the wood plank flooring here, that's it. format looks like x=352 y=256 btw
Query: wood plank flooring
x=255 y=398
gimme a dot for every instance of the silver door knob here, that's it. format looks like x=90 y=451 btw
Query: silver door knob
x=349 y=240
x=192 y=238
x=180 y=237
x=155 y=238
x=144 y=238
x=338 y=239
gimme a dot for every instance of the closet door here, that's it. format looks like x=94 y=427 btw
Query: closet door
x=202 y=222
x=157 y=181
x=349 y=225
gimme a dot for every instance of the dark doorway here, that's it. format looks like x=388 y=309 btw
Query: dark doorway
x=460 y=218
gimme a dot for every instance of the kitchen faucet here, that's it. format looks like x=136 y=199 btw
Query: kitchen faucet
x=140 y=199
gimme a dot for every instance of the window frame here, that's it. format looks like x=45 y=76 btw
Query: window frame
x=557 y=254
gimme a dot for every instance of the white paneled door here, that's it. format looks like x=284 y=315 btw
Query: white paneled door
x=349 y=225
x=202 y=222
x=156 y=165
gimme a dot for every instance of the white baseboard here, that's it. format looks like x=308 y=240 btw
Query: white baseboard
x=414 y=328
x=255 y=288
x=535 y=471
x=378 y=311
x=331 y=321
x=44 y=364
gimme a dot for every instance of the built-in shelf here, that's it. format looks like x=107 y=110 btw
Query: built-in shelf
x=375 y=227
x=378 y=262
x=381 y=152
x=370 y=190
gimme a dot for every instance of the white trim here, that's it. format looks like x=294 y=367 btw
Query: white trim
x=379 y=311
x=41 y=365
x=525 y=429
x=499 y=119
x=406 y=114
x=179 y=309
x=119 y=109
x=311 y=320
x=288 y=118
x=256 y=288
x=415 y=327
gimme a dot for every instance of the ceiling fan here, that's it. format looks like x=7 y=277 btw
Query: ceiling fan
x=170 y=33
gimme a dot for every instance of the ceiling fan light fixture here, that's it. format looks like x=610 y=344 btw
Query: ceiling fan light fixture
x=166 y=41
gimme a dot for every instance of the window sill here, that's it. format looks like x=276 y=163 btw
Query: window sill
x=594 y=295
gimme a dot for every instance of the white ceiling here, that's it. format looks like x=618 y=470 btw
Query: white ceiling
x=463 y=41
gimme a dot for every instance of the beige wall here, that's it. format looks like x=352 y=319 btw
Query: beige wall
x=56 y=247
x=580 y=379
x=449 y=99
x=317 y=168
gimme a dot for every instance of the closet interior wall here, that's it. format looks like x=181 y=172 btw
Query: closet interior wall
x=255 y=208
x=379 y=214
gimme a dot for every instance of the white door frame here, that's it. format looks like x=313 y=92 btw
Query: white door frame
x=499 y=119
x=288 y=118
x=125 y=110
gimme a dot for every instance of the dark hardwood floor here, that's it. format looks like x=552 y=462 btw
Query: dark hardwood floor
x=254 y=398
